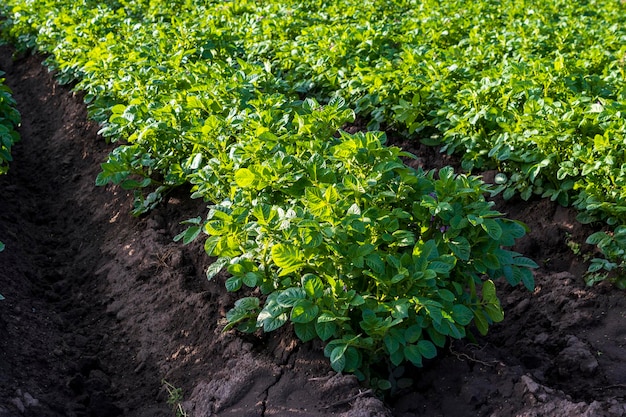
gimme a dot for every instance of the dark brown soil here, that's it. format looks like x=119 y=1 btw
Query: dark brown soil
x=103 y=310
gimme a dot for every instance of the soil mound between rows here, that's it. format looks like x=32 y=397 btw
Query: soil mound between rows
x=104 y=312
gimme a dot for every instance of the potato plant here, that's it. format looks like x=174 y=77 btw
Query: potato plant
x=351 y=246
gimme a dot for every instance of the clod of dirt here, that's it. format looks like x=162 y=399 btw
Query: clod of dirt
x=576 y=358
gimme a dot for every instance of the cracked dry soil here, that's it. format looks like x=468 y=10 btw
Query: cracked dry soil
x=102 y=308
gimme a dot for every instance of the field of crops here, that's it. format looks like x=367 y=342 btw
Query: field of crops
x=245 y=103
x=535 y=90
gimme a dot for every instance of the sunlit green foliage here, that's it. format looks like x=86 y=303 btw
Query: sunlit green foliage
x=245 y=101
x=535 y=89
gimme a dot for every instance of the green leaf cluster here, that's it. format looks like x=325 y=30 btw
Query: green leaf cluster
x=380 y=261
x=356 y=249
x=613 y=266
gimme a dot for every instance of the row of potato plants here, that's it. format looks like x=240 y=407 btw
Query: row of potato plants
x=328 y=231
x=9 y=121
x=535 y=90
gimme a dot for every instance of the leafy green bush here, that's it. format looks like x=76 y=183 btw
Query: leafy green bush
x=380 y=261
x=613 y=266
x=351 y=246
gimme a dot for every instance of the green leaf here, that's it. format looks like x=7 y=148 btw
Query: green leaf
x=316 y=202
x=513 y=277
x=325 y=329
x=446 y=295
x=495 y=312
x=596 y=265
x=397 y=357
x=288 y=258
x=461 y=248
x=216 y=227
x=462 y=314
x=492 y=228
x=489 y=292
x=441 y=267
x=331 y=195
x=363 y=250
x=475 y=220
x=216 y=267
x=248 y=303
x=250 y=279
x=404 y=238
x=313 y=286
x=196 y=161
x=233 y=284
x=244 y=177
x=413 y=333
x=273 y=323
x=189 y=235
x=436 y=337
x=375 y=262
x=528 y=279
x=481 y=322
x=305 y=331
x=504 y=257
x=524 y=262
x=597 y=238
x=425 y=250
x=391 y=343
x=458 y=222
x=412 y=353
x=304 y=311
x=398 y=278
x=245 y=309
x=353 y=359
x=311 y=238
x=491 y=261
x=427 y=349
x=290 y=296
x=337 y=358
x=384 y=384
x=272 y=316
x=326 y=317
x=118 y=109
x=357 y=300
x=264 y=213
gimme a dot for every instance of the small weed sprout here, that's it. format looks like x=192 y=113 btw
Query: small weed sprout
x=175 y=399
